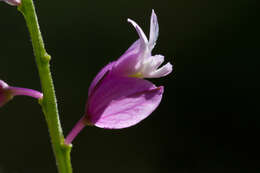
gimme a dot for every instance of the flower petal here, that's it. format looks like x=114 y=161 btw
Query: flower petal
x=151 y=64
x=140 y=32
x=99 y=76
x=126 y=64
x=3 y=84
x=120 y=102
x=163 y=71
x=12 y=2
x=129 y=63
x=154 y=30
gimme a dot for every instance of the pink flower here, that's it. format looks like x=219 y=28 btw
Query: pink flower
x=12 y=2
x=119 y=97
x=8 y=92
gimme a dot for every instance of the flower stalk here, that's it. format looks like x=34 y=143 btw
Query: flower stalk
x=17 y=91
x=48 y=103
x=8 y=92
x=83 y=122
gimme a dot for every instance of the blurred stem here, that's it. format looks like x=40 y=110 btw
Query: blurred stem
x=48 y=103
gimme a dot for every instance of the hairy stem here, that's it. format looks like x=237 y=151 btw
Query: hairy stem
x=48 y=103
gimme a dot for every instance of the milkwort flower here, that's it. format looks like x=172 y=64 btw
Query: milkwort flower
x=12 y=2
x=119 y=97
x=8 y=92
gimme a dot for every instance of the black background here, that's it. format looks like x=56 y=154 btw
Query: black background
x=208 y=120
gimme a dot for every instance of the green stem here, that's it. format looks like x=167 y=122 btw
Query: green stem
x=48 y=103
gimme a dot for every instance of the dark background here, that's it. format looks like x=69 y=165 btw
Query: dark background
x=208 y=120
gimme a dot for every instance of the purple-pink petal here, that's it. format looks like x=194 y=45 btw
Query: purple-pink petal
x=99 y=76
x=120 y=102
x=12 y=2
x=126 y=64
